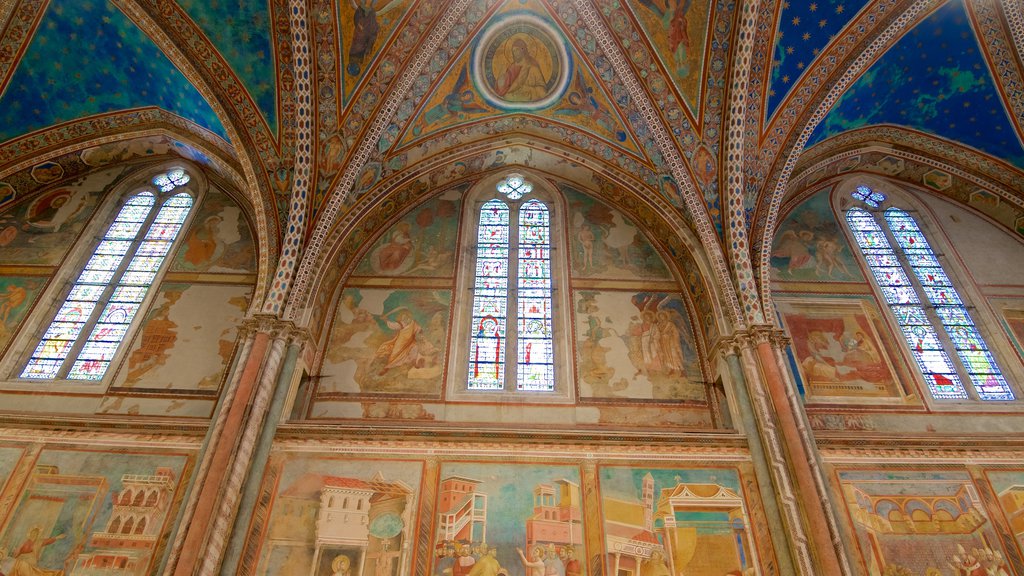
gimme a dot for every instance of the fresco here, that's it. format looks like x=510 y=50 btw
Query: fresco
x=660 y=522
x=920 y=523
x=79 y=510
x=49 y=72
x=839 y=349
x=186 y=340
x=607 y=245
x=421 y=244
x=218 y=240
x=387 y=341
x=17 y=295
x=917 y=84
x=520 y=518
x=805 y=28
x=810 y=246
x=334 y=515
x=1015 y=322
x=365 y=27
x=678 y=30
x=635 y=345
x=521 y=62
x=156 y=145
x=39 y=231
x=1009 y=489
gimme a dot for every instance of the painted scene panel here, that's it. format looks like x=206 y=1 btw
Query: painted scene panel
x=421 y=244
x=218 y=240
x=920 y=523
x=186 y=338
x=17 y=295
x=678 y=31
x=810 y=246
x=636 y=345
x=661 y=522
x=334 y=515
x=83 y=512
x=387 y=342
x=513 y=519
x=607 y=245
x=1009 y=489
x=40 y=231
x=839 y=349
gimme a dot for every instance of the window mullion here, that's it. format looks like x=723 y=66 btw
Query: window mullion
x=512 y=324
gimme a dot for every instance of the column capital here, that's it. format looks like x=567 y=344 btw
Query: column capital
x=753 y=336
x=275 y=327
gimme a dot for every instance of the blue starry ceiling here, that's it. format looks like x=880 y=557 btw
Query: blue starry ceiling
x=241 y=31
x=805 y=29
x=936 y=80
x=88 y=58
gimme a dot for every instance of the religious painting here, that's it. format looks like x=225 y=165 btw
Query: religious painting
x=839 y=349
x=336 y=515
x=516 y=518
x=145 y=146
x=17 y=294
x=678 y=31
x=421 y=244
x=521 y=62
x=920 y=523
x=664 y=521
x=80 y=510
x=635 y=345
x=218 y=240
x=607 y=245
x=387 y=342
x=810 y=245
x=40 y=230
x=1008 y=486
x=187 y=338
x=365 y=25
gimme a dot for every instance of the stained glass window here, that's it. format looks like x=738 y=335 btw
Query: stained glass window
x=905 y=301
x=109 y=290
x=512 y=272
x=977 y=360
x=868 y=196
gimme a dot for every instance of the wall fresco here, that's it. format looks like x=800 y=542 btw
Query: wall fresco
x=1009 y=489
x=839 y=348
x=809 y=245
x=675 y=521
x=17 y=295
x=920 y=523
x=387 y=341
x=336 y=515
x=520 y=518
x=218 y=240
x=635 y=345
x=186 y=340
x=421 y=244
x=607 y=245
x=40 y=231
x=82 y=511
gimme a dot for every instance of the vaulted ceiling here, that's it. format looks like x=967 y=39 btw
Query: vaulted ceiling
x=710 y=114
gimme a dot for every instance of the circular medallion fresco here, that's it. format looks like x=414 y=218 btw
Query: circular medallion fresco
x=521 y=63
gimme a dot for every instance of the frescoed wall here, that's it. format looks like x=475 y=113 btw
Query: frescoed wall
x=83 y=510
x=421 y=244
x=920 y=523
x=387 y=342
x=810 y=245
x=1009 y=489
x=219 y=239
x=17 y=296
x=186 y=340
x=635 y=345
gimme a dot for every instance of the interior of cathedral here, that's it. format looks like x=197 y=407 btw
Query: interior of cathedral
x=512 y=287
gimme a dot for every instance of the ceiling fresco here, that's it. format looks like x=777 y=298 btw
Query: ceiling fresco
x=935 y=79
x=365 y=26
x=241 y=31
x=81 y=61
x=804 y=30
x=521 y=62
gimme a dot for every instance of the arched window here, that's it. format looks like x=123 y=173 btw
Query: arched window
x=943 y=339
x=91 y=323
x=512 y=272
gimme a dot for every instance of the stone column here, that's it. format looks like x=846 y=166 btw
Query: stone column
x=783 y=424
x=228 y=452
